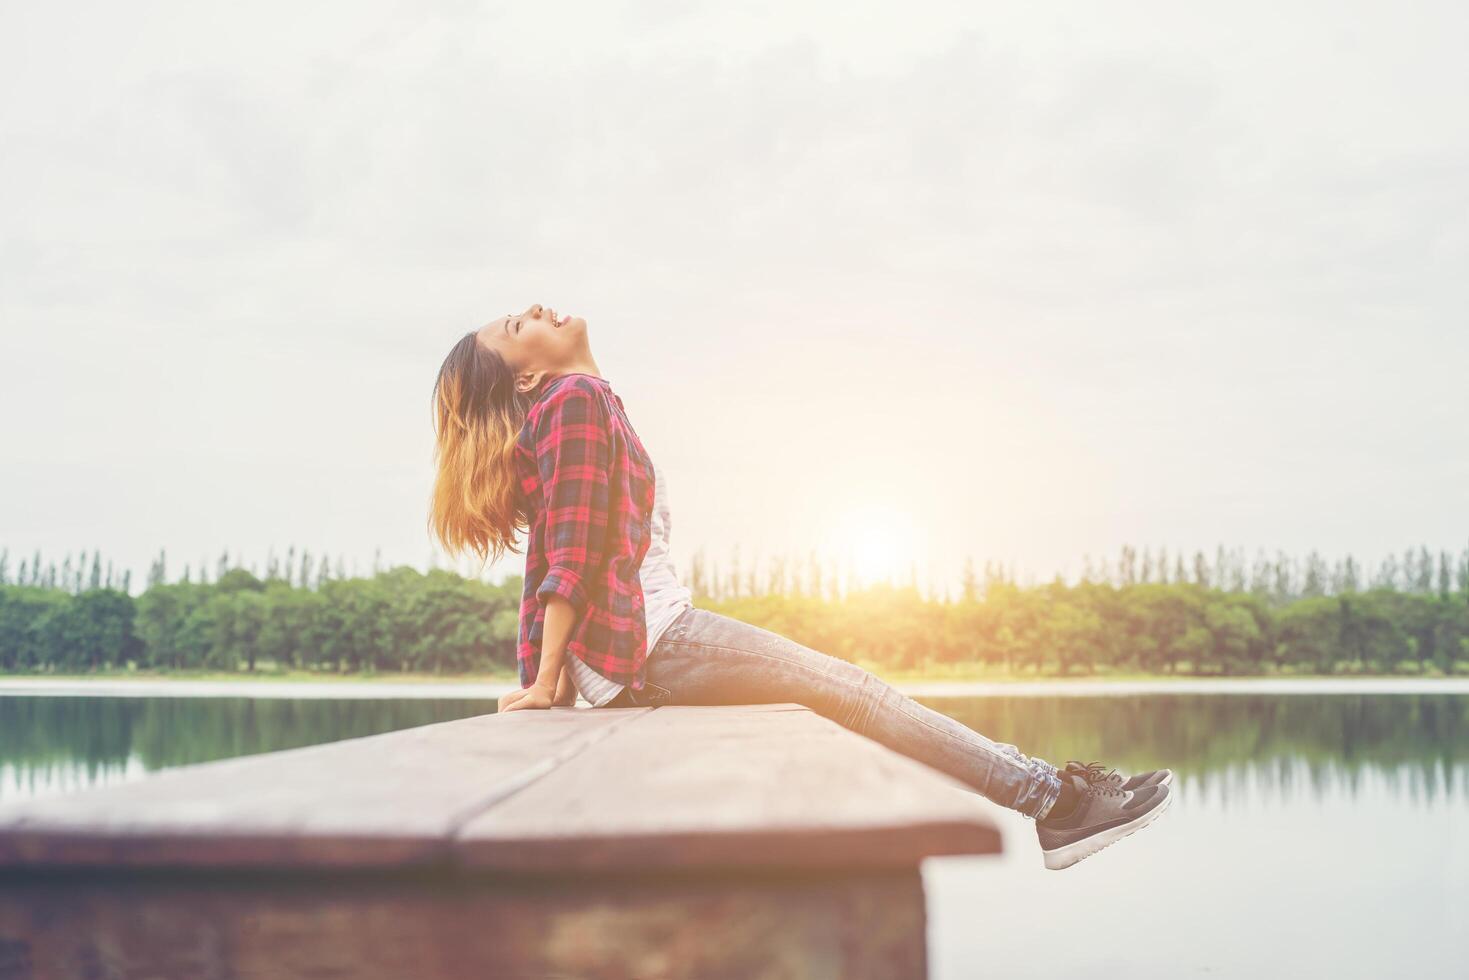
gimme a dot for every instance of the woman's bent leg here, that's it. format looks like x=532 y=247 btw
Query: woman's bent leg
x=709 y=658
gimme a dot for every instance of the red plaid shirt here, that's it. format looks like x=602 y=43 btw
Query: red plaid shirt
x=588 y=486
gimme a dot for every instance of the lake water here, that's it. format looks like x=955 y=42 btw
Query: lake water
x=1311 y=835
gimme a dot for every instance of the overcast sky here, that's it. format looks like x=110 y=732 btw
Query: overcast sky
x=1026 y=282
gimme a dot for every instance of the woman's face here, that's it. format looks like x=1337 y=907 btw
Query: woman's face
x=537 y=342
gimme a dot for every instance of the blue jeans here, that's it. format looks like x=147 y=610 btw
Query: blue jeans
x=705 y=657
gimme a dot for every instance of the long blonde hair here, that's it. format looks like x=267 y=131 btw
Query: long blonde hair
x=476 y=504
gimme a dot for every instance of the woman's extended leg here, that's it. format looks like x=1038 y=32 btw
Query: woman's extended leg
x=708 y=658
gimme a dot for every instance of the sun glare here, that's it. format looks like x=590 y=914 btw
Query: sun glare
x=878 y=543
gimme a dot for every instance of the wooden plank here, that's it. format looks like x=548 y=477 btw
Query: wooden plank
x=739 y=786
x=740 y=840
x=867 y=926
x=392 y=799
x=544 y=791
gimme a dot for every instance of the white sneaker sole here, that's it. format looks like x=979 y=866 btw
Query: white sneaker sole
x=1069 y=854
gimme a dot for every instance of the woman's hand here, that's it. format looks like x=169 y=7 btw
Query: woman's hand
x=534 y=696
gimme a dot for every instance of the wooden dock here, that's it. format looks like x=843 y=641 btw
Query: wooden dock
x=739 y=841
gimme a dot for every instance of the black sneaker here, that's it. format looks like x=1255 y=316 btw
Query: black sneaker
x=1153 y=777
x=1104 y=812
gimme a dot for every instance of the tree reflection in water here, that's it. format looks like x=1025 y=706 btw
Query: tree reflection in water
x=1281 y=745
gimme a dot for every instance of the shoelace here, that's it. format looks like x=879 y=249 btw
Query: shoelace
x=1107 y=781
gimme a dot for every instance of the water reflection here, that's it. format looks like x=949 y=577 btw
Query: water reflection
x=56 y=744
x=1311 y=836
x=1281 y=746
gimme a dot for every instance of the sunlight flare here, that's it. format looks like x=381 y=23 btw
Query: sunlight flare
x=876 y=542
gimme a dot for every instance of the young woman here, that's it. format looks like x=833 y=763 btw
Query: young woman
x=531 y=436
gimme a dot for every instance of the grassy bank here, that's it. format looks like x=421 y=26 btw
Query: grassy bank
x=998 y=675
x=292 y=676
x=940 y=672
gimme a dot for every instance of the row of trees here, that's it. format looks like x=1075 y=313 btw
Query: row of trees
x=1280 y=578
x=400 y=620
x=440 y=622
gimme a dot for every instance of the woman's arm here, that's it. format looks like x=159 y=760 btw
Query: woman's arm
x=553 y=684
x=560 y=621
x=574 y=458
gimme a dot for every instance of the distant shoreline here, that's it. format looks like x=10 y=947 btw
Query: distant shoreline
x=492 y=688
